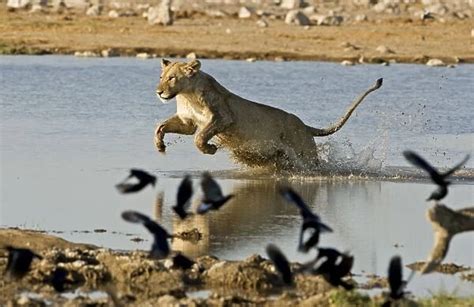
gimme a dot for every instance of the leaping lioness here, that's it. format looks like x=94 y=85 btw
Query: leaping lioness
x=256 y=134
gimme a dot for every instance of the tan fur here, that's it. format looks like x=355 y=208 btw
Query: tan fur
x=256 y=134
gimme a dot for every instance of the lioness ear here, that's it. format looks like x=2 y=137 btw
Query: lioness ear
x=192 y=68
x=164 y=63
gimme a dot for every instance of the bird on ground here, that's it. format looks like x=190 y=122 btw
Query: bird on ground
x=395 y=280
x=280 y=262
x=333 y=266
x=213 y=197
x=19 y=262
x=143 y=178
x=311 y=221
x=160 y=247
x=185 y=191
x=436 y=177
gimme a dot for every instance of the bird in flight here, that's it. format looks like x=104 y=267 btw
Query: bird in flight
x=280 y=262
x=311 y=222
x=439 y=178
x=143 y=178
x=395 y=280
x=183 y=197
x=334 y=266
x=160 y=247
x=213 y=197
x=19 y=262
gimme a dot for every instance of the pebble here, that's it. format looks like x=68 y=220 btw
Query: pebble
x=347 y=63
x=262 y=23
x=113 y=14
x=251 y=60
x=143 y=55
x=296 y=17
x=384 y=49
x=244 y=12
x=435 y=63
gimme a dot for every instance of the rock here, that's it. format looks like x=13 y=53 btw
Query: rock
x=143 y=55
x=113 y=14
x=327 y=20
x=106 y=53
x=167 y=300
x=262 y=23
x=435 y=63
x=36 y=8
x=93 y=11
x=360 y=18
x=438 y=9
x=17 y=4
x=472 y=32
x=279 y=59
x=309 y=10
x=86 y=54
x=384 y=49
x=291 y=4
x=215 y=13
x=244 y=12
x=160 y=14
x=297 y=17
x=347 y=63
x=191 y=56
x=251 y=60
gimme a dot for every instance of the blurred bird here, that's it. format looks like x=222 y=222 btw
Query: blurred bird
x=280 y=262
x=395 y=280
x=310 y=221
x=213 y=197
x=143 y=178
x=160 y=247
x=436 y=177
x=334 y=266
x=58 y=279
x=185 y=191
x=182 y=262
x=19 y=262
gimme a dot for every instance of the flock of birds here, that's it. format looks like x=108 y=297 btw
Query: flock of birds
x=329 y=263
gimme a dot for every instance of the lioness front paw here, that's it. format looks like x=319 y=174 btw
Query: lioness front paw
x=209 y=149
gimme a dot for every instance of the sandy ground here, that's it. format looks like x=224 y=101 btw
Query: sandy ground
x=410 y=39
x=102 y=277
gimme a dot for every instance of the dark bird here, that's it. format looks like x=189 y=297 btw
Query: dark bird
x=185 y=191
x=436 y=177
x=160 y=247
x=311 y=222
x=213 y=197
x=395 y=280
x=19 y=262
x=333 y=266
x=143 y=178
x=182 y=262
x=58 y=279
x=280 y=262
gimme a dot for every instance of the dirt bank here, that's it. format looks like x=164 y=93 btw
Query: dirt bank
x=101 y=276
x=407 y=39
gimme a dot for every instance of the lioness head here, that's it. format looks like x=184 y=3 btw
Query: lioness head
x=175 y=78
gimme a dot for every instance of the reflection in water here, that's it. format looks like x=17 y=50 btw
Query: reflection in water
x=160 y=197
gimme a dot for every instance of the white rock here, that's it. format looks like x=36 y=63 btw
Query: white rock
x=107 y=53
x=93 y=11
x=347 y=63
x=113 y=14
x=262 y=23
x=360 y=17
x=78 y=264
x=435 y=63
x=384 y=49
x=244 y=12
x=297 y=17
x=17 y=4
x=36 y=8
x=251 y=60
x=168 y=263
x=327 y=20
x=160 y=14
x=291 y=4
x=191 y=56
x=143 y=55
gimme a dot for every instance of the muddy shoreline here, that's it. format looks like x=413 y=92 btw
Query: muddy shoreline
x=405 y=39
x=104 y=277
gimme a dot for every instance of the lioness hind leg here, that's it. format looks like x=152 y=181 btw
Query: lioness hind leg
x=173 y=124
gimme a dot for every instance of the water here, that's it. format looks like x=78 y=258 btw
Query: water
x=71 y=128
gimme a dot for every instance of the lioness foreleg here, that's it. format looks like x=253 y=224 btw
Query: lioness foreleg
x=202 y=137
x=173 y=124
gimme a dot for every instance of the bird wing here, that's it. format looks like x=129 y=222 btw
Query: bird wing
x=290 y=195
x=456 y=167
x=280 y=262
x=418 y=161
x=125 y=187
x=203 y=208
x=212 y=190
x=143 y=176
x=395 y=278
x=345 y=267
x=438 y=252
x=152 y=226
x=185 y=191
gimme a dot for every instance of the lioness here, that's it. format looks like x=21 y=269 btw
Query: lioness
x=256 y=134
